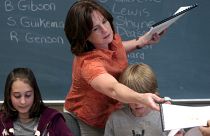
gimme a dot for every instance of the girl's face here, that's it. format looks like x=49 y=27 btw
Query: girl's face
x=139 y=110
x=22 y=97
x=102 y=33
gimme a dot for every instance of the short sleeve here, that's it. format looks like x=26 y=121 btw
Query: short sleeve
x=92 y=68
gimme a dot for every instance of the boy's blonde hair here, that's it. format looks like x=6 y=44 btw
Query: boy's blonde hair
x=140 y=78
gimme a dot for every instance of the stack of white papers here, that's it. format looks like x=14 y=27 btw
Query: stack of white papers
x=163 y=24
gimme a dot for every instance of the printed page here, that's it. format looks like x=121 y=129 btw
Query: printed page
x=177 y=117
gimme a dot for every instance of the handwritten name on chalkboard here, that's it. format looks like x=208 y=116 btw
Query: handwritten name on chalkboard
x=132 y=21
x=32 y=22
x=132 y=18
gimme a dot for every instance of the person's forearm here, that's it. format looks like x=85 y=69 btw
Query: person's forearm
x=134 y=44
x=109 y=86
x=124 y=94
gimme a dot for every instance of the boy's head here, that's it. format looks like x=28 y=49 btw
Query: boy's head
x=142 y=79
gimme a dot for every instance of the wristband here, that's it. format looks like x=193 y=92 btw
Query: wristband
x=137 y=47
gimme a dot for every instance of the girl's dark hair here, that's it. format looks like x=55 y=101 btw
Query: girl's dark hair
x=27 y=76
x=79 y=24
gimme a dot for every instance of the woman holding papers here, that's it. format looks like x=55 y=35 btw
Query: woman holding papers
x=100 y=57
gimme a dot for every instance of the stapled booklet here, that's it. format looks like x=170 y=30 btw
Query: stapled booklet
x=177 y=116
x=165 y=23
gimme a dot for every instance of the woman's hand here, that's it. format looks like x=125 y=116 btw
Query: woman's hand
x=154 y=39
x=141 y=41
x=152 y=100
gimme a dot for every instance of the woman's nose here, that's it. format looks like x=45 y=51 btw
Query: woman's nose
x=103 y=28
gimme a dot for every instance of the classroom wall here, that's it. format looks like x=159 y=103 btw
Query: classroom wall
x=32 y=36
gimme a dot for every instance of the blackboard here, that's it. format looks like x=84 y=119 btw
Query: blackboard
x=32 y=36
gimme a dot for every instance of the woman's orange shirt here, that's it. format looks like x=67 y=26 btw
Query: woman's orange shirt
x=86 y=103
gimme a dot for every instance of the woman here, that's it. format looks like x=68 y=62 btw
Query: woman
x=100 y=57
x=23 y=112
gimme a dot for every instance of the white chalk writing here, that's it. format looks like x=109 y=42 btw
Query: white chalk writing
x=25 y=26
x=28 y=5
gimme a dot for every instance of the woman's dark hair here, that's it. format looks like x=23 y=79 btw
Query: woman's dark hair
x=27 y=76
x=79 y=24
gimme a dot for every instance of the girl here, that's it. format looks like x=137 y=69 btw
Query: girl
x=23 y=112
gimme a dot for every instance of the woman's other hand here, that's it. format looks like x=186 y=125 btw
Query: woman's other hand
x=154 y=39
